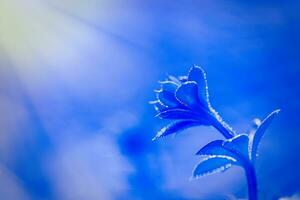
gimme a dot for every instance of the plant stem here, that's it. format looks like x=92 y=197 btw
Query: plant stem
x=223 y=128
x=251 y=180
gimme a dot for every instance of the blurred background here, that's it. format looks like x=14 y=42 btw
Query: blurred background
x=76 y=78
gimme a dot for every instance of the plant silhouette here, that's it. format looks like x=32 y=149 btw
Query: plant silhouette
x=185 y=101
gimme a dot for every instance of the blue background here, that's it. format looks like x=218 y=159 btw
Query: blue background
x=76 y=78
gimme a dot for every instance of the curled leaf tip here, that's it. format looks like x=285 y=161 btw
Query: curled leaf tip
x=153 y=102
x=277 y=110
x=158 y=135
x=256 y=123
x=155 y=138
x=197 y=67
x=167 y=81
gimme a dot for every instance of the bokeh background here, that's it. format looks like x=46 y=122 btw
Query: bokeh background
x=76 y=78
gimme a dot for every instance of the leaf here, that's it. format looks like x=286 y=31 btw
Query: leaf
x=214 y=148
x=169 y=86
x=197 y=74
x=233 y=148
x=175 y=127
x=255 y=136
x=166 y=95
x=187 y=94
x=167 y=98
x=159 y=107
x=212 y=165
x=238 y=145
x=177 y=113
